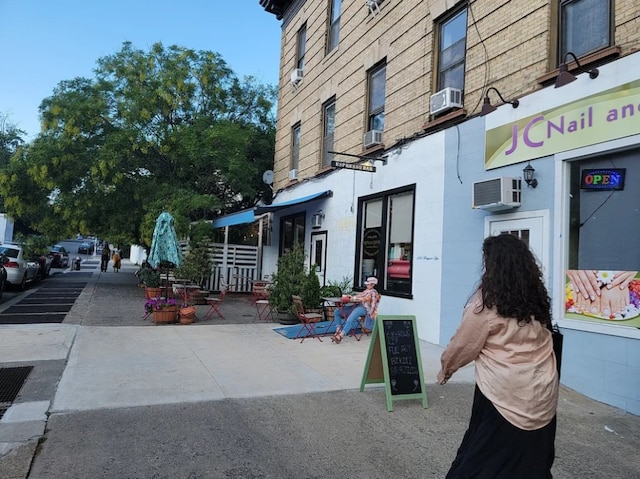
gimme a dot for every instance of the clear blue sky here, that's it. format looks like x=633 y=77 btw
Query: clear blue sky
x=43 y=42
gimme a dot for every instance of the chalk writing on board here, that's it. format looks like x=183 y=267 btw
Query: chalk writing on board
x=402 y=360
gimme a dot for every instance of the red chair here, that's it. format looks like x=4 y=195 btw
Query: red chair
x=215 y=303
x=259 y=291
x=359 y=330
x=308 y=320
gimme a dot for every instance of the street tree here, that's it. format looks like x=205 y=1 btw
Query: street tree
x=166 y=129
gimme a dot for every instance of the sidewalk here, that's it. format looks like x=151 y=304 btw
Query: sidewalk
x=122 y=397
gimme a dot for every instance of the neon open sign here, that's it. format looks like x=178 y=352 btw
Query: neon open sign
x=603 y=179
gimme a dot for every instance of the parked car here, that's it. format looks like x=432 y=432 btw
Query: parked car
x=59 y=256
x=86 y=248
x=20 y=270
x=3 y=274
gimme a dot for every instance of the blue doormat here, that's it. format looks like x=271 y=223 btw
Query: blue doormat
x=322 y=328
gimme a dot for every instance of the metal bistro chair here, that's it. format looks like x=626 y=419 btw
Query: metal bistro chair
x=264 y=311
x=215 y=302
x=308 y=320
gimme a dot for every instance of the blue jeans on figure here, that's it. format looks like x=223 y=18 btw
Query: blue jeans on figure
x=353 y=312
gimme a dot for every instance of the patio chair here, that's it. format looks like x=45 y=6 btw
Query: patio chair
x=308 y=320
x=259 y=291
x=214 y=303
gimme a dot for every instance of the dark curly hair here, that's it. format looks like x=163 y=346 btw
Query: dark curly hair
x=512 y=280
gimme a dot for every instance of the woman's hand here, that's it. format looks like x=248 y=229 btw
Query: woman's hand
x=584 y=282
x=622 y=279
x=443 y=377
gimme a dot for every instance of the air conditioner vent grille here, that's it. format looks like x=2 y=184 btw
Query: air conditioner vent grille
x=445 y=100
x=497 y=194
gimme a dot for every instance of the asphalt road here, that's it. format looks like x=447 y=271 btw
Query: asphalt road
x=12 y=294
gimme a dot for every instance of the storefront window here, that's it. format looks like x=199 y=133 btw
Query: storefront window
x=291 y=231
x=385 y=240
x=604 y=231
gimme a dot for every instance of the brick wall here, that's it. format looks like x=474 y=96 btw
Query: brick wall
x=510 y=46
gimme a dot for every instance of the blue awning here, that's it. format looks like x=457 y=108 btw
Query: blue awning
x=286 y=204
x=237 y=218
x=249 y=215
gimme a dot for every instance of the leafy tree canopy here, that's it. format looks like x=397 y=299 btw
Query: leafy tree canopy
x=171 y=129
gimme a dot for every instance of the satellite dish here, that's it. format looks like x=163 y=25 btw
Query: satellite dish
x=267 y=177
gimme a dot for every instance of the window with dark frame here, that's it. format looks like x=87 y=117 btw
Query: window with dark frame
x=584 y=27
x=377 y=79
x=384 y=240
x=452 y=46
x=328 y=129
x=295 y=146
x=292 y=230
x=334 y=25
x=301 y=47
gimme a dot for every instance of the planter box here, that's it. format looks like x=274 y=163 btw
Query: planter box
x=165 y=316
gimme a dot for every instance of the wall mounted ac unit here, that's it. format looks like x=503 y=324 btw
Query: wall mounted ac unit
x=444 y=100
x=293 y=174
x=497 y=194
x=372 y=138
x=373 y=6
x=296 y=76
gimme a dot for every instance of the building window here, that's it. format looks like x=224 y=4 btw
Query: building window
x=328 y=129
x=585 y=26
x=334 y=25
x=377 y=82
x=385 y=240
x=301 y=47
x=291 y=231
x=295 y=146
x=603 y=223
x=452 y=50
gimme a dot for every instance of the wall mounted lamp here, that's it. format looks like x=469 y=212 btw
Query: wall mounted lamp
x=564 y=76
x=528 y=172
x=316 y=220
x=487 y=107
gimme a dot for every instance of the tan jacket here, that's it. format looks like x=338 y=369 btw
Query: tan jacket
x=515 y=364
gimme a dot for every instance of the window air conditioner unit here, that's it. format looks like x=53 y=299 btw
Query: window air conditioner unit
x=293 y=174
x=497 y=194
x=444 y=100
x=296 y=76
x=372 y=138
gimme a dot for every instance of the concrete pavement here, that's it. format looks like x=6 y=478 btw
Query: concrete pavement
x=112 y=395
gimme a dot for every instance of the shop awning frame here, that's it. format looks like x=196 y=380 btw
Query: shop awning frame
x=249 y=215
x=295 y=202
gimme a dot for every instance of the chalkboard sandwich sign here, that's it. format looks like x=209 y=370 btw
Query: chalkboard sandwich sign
x=394 y=358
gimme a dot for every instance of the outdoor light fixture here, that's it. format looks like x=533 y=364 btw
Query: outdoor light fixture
x=528 y=172
x=316 y=220
x=564 y=76
x=487 y=107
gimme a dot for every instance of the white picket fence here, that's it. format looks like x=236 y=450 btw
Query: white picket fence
x=234 y=265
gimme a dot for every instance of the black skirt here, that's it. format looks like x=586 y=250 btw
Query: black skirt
x=493 y=448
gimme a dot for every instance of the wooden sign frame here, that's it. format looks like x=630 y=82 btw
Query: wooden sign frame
x=377 y=367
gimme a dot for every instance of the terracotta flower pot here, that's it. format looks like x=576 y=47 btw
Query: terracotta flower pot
x=152 y=292
x=187 y=314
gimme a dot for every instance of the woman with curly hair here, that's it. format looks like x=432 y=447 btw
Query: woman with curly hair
x=505 y=329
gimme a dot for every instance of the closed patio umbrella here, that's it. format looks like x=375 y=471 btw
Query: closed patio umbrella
x=165 y=250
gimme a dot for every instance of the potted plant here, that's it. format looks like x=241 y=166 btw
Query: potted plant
x=311 y=293
x=197 y=264
x=335 y=289
x=150 y=278
x=163 y=309
x=286 y=282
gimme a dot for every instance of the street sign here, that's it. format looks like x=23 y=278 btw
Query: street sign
x=353 y=166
